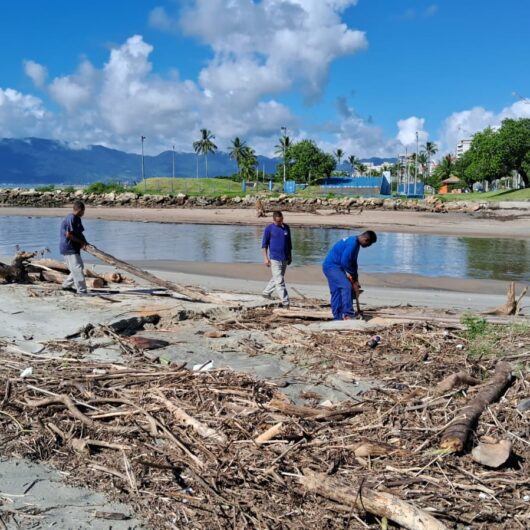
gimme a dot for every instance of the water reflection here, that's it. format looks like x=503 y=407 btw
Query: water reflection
x=427 y=255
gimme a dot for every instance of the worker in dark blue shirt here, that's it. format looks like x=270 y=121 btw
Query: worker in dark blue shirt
x=340 y=268
x=71 y=241
x=277 y=254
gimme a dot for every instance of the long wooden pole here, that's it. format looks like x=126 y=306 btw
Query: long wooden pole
x=192 y=293
x=369 y=500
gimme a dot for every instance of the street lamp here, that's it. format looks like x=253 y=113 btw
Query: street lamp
x=284 y=131
x=143 y=164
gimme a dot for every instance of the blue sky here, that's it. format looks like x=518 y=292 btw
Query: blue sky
x=361 y=75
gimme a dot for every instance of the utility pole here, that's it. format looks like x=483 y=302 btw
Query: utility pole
x=143 y=164
x=416 y=168
x=407 y=172
x=173 y=172
x=284 y=130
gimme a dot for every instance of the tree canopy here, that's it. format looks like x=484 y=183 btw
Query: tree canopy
x=308 y=162
x=494 y=154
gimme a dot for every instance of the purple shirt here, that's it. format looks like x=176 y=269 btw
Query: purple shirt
x=278 y=240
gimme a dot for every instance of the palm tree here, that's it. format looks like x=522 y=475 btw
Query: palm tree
x=423 y=161
x=249 y=160
x=361 y=168
x=430 y=149
x=281 y=149
x=237 y=152
x=205 y=145
x=353 y=161
x=339 y=153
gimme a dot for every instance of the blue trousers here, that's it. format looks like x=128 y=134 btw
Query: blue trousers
x=341 y=292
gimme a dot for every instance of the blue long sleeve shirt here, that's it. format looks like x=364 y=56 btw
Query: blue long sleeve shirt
x=278 y=240
x=71 y=223
x=343 y=254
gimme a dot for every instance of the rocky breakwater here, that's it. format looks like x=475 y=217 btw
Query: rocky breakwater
x=58 y=198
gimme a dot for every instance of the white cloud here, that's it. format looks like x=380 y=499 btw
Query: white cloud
x=159 y=19
x=36 y=72
x=259 y=51
x=274 y=45
x=407 y=130
x=463 y=124
x=21 y=114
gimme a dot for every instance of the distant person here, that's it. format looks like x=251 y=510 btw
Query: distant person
x=277 y=254
x=260 y=210
x=340 y=268
x=72 y=241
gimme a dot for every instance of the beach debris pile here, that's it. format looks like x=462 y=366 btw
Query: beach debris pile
x=441 y=441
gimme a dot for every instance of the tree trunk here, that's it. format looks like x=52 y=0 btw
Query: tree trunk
x=194 y=294
x=455 y=435
x=111 y=277
x=511 y=307
x=367 y=500
x=60 y=277
x=16 y=272
x=206 y=163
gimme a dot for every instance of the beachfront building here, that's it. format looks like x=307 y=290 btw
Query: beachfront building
x=462 y=146
x=450 y=185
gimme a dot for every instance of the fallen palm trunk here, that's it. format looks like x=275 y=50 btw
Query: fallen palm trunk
x=189 y=292
x=16 y=272
x=47 y=264
x=59 y=277
x=368 y=500
x=511 y=307
x=454 y=381
x=455 y=435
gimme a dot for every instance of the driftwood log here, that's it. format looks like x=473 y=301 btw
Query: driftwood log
x=192 y=293
x=512 y=305
x=184 y=418
x=17 y=271
x=59 y=277
x=368 y=500
x=455 y=435
x=110 y=277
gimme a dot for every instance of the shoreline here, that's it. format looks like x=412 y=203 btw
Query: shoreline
x=445 y=224
x=312 y=275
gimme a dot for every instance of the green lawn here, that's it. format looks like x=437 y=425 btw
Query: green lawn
x=504 y=195
x=193 y=187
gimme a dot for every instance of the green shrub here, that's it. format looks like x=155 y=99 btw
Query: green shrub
x=105 y=187
x=475 y=326
x=47 y=187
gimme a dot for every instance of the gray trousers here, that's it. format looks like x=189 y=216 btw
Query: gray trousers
x=277 y=282
x=77 y=275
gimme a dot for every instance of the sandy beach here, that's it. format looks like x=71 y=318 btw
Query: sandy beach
x=502 y=224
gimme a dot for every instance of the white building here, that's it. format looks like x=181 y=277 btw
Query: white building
x=462 y=146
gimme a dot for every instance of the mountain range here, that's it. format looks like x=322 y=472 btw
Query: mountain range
x=40 y=161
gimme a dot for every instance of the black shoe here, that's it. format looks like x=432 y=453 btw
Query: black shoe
x=68 y=289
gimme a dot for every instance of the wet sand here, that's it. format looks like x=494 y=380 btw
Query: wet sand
x=312 y=275
x=501 y=224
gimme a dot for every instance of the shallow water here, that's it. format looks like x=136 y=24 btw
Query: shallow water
x=427 y=255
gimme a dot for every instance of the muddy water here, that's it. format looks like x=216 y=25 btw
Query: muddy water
x=427 y=255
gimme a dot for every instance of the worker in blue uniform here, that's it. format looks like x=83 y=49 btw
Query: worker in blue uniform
x=340 y=268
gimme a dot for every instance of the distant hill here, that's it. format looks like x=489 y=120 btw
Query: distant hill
x=41 y=161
